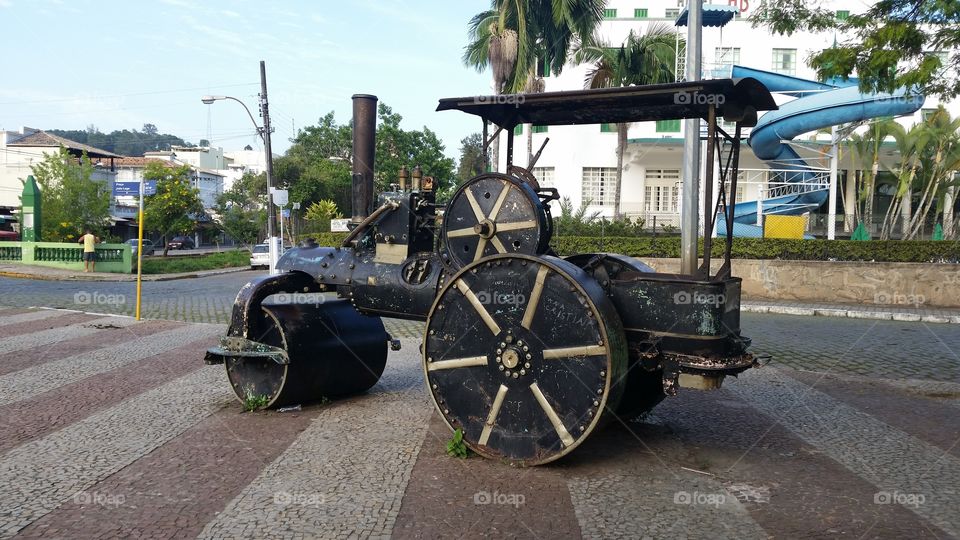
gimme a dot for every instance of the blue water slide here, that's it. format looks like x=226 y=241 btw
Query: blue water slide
x=818 y=106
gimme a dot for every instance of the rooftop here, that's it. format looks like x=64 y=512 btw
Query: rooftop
x=44 y=139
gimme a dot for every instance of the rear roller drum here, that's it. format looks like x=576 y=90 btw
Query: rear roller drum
x=524 y=354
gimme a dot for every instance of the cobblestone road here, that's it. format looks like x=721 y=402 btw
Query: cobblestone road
x=116 y=429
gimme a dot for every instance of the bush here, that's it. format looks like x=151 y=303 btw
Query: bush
x=922 y=251
x=187 y=263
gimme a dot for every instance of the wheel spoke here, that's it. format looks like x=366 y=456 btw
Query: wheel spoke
x=457 y=363
x=481 y=246
x=498 y=244
x=516 y=225
x=492 y=417
x=477 y=305
x=500 y=200
x=567 y=352
x=562 y=432
x=461 y=232
x=477 y=212
x=535 y=297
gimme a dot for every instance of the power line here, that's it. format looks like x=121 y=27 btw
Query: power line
x=61 y=100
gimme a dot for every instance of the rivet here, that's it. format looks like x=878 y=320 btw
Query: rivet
x=499 y=359
x=499 y=351
x=502 y=344
x=432 y=332
x=429 y=359
x=527 y=365
x=600 y=343
x=523 y=372
x=349 y=280
x=434 y=386
x=324 y=265
x=603 y=373
x=596 y=403
x=582 y=428
x=333 y=276
x=446 y=411
x=516 y=376
x=590 y=413
x=509 y=339
x=501 y=367
x=320 y=277
x=525 y=348
x=352 y=266
x=599 y=391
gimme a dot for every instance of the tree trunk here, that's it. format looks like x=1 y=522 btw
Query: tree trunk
x=621 y=148
x=948 y=200
x=850 y=202
x=906 y=209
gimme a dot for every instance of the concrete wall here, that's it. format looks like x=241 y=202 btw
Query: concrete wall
x=114 y=258
x=890 y=284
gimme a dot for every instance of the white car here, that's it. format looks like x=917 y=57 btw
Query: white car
x=260 y=256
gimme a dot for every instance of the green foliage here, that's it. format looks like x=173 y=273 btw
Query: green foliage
x=242 y=208
x=397 y=148
x=175 y=207
x=190 y=263
x=471 y=158
x=72 y=201
x=320 y=213
x=254 y=402
x=456 y=447
x=123 y=142
x=580 y=222
x=889 y=46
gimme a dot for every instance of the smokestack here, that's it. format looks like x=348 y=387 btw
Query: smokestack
x=364 y=143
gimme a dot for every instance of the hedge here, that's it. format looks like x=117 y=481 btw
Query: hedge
x=923 y=251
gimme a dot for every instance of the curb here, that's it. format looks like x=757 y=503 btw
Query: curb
x=124 y=277
x=850 y=313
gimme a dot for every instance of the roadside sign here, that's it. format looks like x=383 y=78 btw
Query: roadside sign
x=285 y=212
x=150 y=187
x=339 y=225
x=126 y=189
x=280 y=197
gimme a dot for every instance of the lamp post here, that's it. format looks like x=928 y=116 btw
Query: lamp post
x=264 y=133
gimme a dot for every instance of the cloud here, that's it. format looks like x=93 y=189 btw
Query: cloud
x=228 y=13
x=6 y=3
x=179 y=3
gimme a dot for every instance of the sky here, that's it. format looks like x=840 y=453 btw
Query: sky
x=119 y=64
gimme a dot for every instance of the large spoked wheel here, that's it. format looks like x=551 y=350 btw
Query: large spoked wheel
x=493 y=214
x=524 y=354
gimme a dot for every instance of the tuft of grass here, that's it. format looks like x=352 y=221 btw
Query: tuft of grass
x=212 y=261
x=456 y=447
x=255 y=402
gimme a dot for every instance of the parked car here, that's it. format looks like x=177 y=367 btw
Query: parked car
x=7 y=233
x=260 y=256
x=181 y=242
x=148 y=247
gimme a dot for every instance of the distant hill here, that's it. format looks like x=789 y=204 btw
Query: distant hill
x=125 y=142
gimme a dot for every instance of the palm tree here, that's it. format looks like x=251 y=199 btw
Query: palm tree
x=867 y=148
x=941 y=159
x=512 y=35
x=641 y=59
x=910 y=143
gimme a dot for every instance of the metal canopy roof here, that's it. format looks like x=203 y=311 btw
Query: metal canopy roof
x=733 y=98
x=713 y=15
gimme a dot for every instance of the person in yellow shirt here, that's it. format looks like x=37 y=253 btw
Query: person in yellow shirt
x=89 y=242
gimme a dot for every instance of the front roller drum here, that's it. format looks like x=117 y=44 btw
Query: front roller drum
x=330 y=351
x=524 y=354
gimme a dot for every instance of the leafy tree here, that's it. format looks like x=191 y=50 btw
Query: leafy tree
x=72 y=201
x=642 y=59
x=123 y=142
x=891 y=45
x=175 y=207
x=242 y=208
x=320 y=213
x=471 y=158
x=512 y=36
x=397 y=148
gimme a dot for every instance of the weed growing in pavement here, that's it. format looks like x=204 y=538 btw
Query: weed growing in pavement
x=456 y=447
x=255 y=402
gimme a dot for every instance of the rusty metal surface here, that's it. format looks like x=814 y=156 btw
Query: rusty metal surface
x=619 y=105
x=524 y=353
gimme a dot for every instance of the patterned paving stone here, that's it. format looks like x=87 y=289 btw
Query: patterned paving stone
x=905 y=470
x=32 y=381
x=37 y=477
x=85 y=327
x=33 y=315
x=368 y=445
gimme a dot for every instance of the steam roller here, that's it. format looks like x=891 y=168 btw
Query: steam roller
x=524 y=351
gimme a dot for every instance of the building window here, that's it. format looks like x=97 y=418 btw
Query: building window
x=608 y=128
x=544 y=176
x=610 y=14
x=539 y=129
x=741 y=177
x=598 y=185
x=672 y=13
x=668 y=126
x=785 y=61
x=662 y=190
x=518 y=130
x=843 y=15
x=727 y=55
x=640 y=13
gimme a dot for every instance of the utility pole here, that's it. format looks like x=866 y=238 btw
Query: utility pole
x=689 y=205
x=271 y=210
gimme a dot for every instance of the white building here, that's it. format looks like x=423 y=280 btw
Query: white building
x=580 y=161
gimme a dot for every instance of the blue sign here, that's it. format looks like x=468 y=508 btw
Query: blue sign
x=285 y=212
x=132 y=189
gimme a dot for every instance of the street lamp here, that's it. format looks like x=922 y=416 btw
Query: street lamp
x=264 y=132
